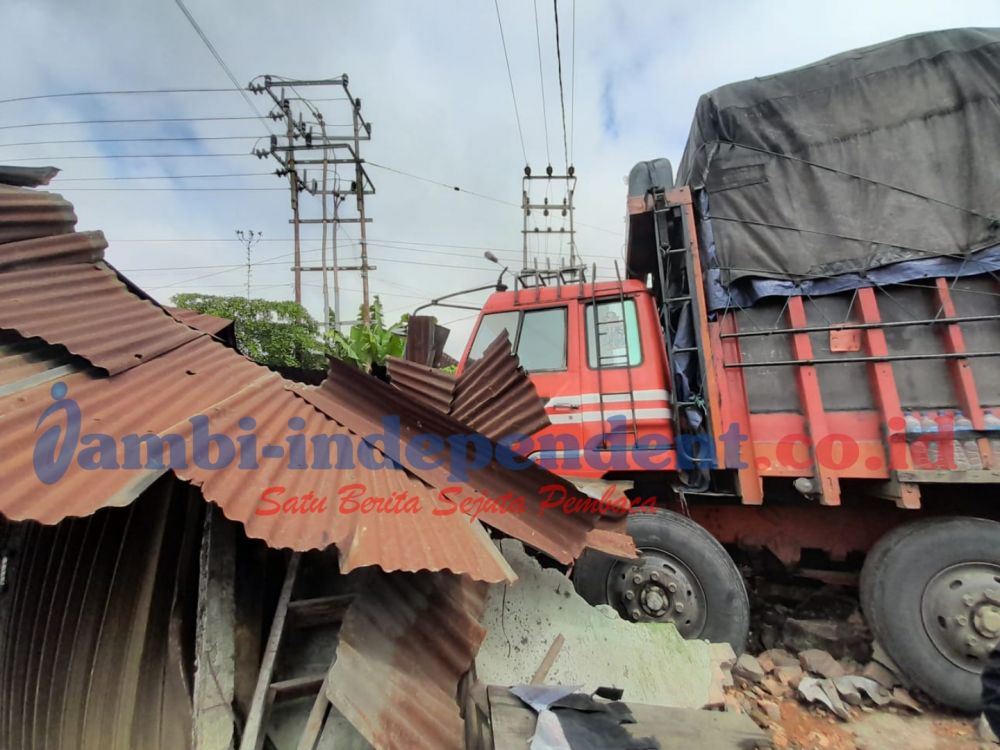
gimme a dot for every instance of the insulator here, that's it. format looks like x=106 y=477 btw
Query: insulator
x=548 y=170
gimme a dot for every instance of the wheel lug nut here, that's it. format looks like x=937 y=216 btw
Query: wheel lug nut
x=635 y=614
x=629 y=595
x=654 y=576
x=672 y=587
x=962 y=620
x=968 y=600
x=972 y=641
x=678 y=607
x=637 y=579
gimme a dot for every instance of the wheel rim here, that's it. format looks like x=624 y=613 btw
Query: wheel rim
x=960 y=608
x=658 y=587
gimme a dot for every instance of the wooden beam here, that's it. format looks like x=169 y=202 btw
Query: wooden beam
x=213 y=725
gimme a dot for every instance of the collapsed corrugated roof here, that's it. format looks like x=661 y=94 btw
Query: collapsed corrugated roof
x=364 y=404
x=494 y=395
x=137 y=371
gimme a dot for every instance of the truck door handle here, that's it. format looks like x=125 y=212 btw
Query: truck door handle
x=565 y=405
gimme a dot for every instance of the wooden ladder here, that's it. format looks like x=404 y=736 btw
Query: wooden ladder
x=292 y=614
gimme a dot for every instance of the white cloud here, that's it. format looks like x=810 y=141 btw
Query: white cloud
x=433 y=82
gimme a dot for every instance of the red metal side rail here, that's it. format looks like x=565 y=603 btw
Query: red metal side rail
x=965 y=383
x=828 y=484
x=887 y=398
x=736 y=407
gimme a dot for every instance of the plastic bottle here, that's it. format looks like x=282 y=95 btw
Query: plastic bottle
x=918 y=448
x=949 y=423
x=929 y=427
x=992 y=424
x=966 y=441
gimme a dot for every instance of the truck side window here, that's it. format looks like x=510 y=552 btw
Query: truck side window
x=541 y=345
x=619 y=337
x=491 y=327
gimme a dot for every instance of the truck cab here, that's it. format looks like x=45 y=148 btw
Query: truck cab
x=596 y=357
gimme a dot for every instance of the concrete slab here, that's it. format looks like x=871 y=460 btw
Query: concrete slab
x=651 y=662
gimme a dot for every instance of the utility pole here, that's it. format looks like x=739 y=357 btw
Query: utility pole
x=565 y=208
x=249 y=238
x=333 y=149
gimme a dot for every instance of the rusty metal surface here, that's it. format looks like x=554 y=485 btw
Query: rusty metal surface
x=425 y=340
x=495 y=395
x=204 y=322
x=427 y=385
x=405 y=642
x=363 y=404
x=25 y=214
x=84 y=656
x=205 y=377
x=26 y=176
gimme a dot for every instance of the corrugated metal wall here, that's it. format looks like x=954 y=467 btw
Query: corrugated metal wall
x=93 y=639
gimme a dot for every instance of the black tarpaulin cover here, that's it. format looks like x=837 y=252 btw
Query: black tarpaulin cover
x=875 y=156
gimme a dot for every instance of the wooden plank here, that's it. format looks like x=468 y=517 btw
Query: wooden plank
x=550 y=657
x=946 y=476
x=322 y=610
x=317 y=716
x=215 y=646
x=253 y=735
x=828 y=485
x=675 y=728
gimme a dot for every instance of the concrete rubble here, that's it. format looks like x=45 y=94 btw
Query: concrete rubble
x=600 y=648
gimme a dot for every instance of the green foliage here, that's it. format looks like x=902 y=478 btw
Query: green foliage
x=284 y=334
x=271 y=333
x=364 y=346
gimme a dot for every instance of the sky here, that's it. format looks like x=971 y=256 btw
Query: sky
x=433 y=81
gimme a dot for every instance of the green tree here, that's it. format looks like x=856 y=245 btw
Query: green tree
x=365 y=346
x=281 y=334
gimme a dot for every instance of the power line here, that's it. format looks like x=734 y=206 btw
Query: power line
x=126 y=121
x=541 y=81
x=510 y=78
x=572 y=93
x=562 y=100
x=454 y=188
x=217 y=189
x=36 y=97
x=126 y=156
x=156 y=139
x=222 y=63
x=61 y=180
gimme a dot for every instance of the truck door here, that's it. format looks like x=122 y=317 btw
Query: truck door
x=547 y=343
x=624 y=395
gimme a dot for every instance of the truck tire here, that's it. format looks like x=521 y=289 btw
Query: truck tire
x=931 y=593
x=683 y=576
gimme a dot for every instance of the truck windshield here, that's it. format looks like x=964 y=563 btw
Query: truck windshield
x=538 y=337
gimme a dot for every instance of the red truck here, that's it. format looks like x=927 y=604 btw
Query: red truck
x=800 y=356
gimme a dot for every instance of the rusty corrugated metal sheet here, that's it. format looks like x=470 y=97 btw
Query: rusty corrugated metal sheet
x=212 y=324
x=495 y=396
x=425 y=340
x=428 y=385
x=85 y=651
x=363 y=404
x=206 y=378
x=405 y=642
x=27 y=176
x=26 y=214
x=83 y=306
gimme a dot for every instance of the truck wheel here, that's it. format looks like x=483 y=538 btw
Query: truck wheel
x=931 y=593
x=683 y=576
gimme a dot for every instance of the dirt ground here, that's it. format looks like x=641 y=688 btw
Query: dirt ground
x=808 y=728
